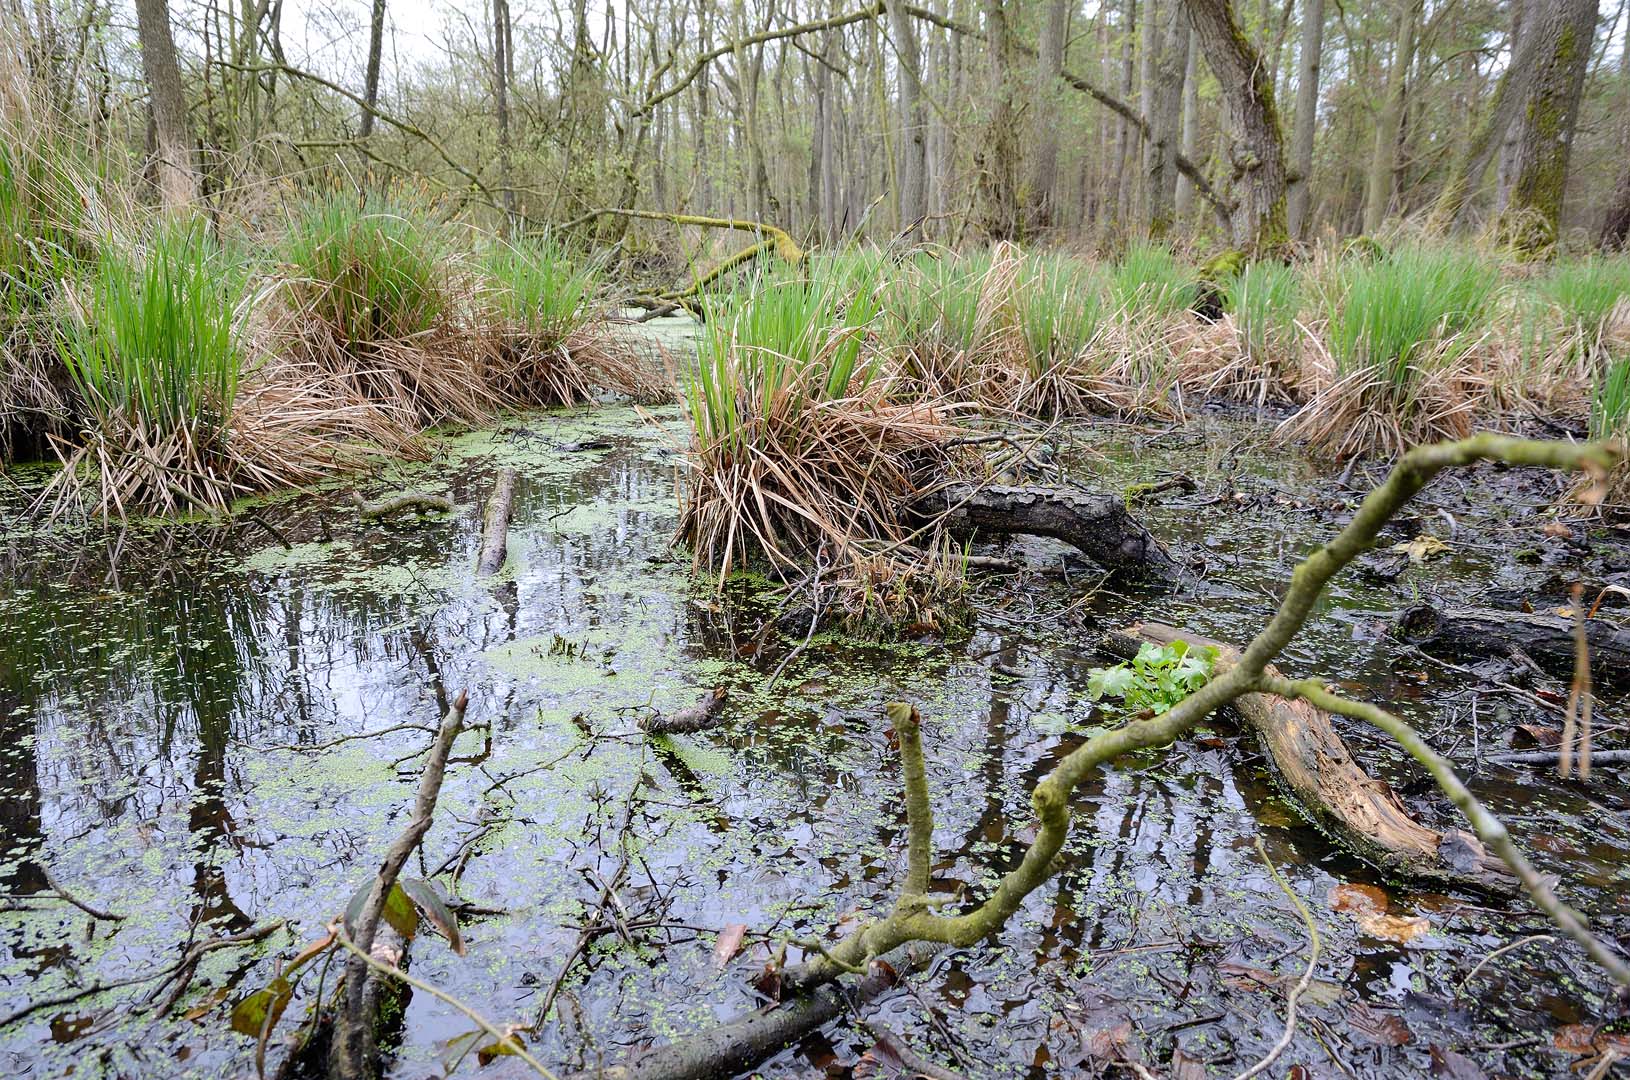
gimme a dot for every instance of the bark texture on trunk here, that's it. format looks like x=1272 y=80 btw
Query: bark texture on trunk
x=914 y=146
x=1165 y=119
x=177 y=170
x=370 y=84
x=1338 y=796
x=1096 y=525
x=1300 y=198
x=1384 y=158
x=1559 y=36
x=1256 y=149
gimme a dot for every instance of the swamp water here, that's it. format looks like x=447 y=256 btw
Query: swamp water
x=201 y=731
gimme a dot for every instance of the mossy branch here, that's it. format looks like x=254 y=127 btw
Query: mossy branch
x=909 y=921
x=785 y=245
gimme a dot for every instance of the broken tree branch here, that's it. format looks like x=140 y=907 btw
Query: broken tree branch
x=495 y=533
x=352 y=1051
x=699 y=717
x=1096 y=525
x=409 y=500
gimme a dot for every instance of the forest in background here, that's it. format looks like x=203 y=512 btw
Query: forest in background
x=1053 y=121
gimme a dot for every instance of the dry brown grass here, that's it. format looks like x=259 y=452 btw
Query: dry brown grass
x=804 y=479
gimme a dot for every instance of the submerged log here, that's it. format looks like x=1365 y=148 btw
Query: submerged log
x=1360 y=812
x=1478 y=633
x=1099 y=526
x=408 y=500
x=699 y=717
x=495 y=534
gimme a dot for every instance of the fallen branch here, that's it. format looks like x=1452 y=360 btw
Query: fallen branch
x=785 y=245
x=914 y=1064
x=408 y=500
x=1477 y=633
x=495 y=534
x=911 y=918
x=95 y=913
x=352 y=1051
x=1099 y=526
x=740 y=1045
x=1317 y=771
x=1554 y=757
x=699 y=717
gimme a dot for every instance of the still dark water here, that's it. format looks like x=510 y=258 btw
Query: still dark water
x=180 y=706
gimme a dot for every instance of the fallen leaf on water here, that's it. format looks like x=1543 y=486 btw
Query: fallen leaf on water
x=1539 y=735
x=1447 y=1063
x=1113 y=1043
x=728 y=945
x=1583 y=1039
x=1184 y=1067
x=1367 y=904
x=1380 y=1028
x=208 y=1005
x=1557 y=529
x=1421 y=548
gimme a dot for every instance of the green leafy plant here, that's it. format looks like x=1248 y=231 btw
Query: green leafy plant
x=1156 y=679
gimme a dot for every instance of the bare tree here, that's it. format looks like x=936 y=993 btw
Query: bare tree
x=370 y=85
x=1307 y=109
x=1256 y=152
x=177 y=170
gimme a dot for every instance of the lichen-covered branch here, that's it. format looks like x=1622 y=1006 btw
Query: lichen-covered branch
x=1489 y=828
x=910 y=921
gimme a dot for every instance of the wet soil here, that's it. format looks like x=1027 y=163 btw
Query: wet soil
x=201 y=730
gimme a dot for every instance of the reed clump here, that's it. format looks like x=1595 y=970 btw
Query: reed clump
x=801 y=454
x=374 y=295
x=1405 y=336
x=553 y=346
x=154 y=351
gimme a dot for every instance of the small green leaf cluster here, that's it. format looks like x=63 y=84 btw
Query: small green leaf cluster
x=1157 y=678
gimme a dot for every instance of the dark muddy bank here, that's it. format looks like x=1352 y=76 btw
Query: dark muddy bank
x=196 y=738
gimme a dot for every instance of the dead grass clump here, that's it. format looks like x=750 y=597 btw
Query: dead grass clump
x=800 y=455
x=552 y=347
x=1407 y=335
x=372 y=293
x=951 y=327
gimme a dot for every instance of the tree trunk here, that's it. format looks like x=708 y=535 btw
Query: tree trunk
x=503 y=65
x=914 y=148
x=1256 y=149
x=1616 y=226
x=1049 y=67
x=172 y=134
x=1384 y=159
x=1307 y=110
x=1561 y=35
x=1191 y=124
x=997 y=169
x=370 y=86
x=1165 y=120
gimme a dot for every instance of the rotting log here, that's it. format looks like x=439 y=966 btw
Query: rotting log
x=495 y=533
x=1360 y=812
x=408 y=500
x=1098 y=526
x=738 y=1046
x=699 y=717
x=1479 y=633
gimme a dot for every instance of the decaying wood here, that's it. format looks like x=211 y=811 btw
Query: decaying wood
x=1099 y=526
x=352 y=1052
x=1605 y=758
x=1339 y=797
x=408 y=500
x=736 y=1047
x=495 y=534
x=1478 y=633
x=699 y=717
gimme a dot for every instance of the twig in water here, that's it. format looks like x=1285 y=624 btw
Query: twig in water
x=1301 y=984
x=56 y=886
x=510 y=1042
x=1501 y=951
